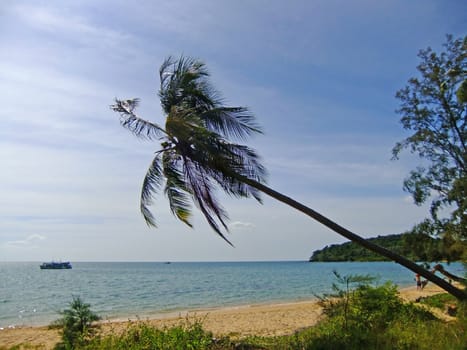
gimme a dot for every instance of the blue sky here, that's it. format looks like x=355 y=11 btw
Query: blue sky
x=319 y=75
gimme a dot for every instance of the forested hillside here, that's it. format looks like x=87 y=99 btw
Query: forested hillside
x=417 y=247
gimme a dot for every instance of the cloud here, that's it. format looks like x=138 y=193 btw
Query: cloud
x=239 y=225
x=72 y=26
x=29 y=241
x=66 y=162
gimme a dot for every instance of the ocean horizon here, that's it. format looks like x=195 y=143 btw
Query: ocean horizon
x=122 y=290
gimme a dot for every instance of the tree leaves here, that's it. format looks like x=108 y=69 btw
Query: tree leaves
x=437 y=119
x=138 y=126
x=198 y=154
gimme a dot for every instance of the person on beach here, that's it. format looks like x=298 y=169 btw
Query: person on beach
x=418 y=281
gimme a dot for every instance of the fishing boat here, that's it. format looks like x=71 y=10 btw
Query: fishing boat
x=55 y=265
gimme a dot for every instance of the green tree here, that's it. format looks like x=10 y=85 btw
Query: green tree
x=76 y=324
x=197 y=156
x=433 y=109
x=339 y=301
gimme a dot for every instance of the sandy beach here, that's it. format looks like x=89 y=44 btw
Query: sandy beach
x=269 y=319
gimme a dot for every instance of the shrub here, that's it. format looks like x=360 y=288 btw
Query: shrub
x=361 y=318
x=76 y=324
x=439 y=300
x=141 y=336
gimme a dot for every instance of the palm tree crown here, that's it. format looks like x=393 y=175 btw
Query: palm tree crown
x=198 y=153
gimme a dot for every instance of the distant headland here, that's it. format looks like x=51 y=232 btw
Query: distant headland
x=417 y=247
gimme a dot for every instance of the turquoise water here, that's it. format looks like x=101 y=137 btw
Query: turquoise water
x=30 y=296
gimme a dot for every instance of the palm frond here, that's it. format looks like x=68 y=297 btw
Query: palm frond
x=184 y=83
x=236 y=122
x=244 y=161
x=198 y=157
x=227 y=163
x=182 y=123
x=176 y=189
x=138 y=126
x=203 y=193
x=151 y=184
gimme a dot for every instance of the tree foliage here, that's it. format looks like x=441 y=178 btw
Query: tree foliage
x=414 y=245
x=198 y=153
x=374 y=317
x=433 y=109
x=76 y=324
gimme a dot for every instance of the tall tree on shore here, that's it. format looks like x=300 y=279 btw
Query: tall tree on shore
x=433 y=109
x=198 y=155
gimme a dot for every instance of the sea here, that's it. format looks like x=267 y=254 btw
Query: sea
x=30 y=296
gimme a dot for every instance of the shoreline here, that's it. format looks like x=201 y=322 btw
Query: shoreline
x=267 y=319
x=164 y=314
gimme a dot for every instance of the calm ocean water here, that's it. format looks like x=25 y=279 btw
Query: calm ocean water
x=30 y=296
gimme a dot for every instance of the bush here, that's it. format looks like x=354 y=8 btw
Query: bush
x=439 y=300
x=141 y=336
x=366 y=317
x=76 y=324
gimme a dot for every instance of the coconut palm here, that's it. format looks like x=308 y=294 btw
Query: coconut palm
x=76 y=324
x=198 y=155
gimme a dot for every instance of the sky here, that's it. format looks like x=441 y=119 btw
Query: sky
x=320 y=77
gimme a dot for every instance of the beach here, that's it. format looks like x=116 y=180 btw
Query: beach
x=261 y=320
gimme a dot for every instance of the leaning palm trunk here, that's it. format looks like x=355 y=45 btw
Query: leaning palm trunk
x=197 y=156
x=449 y=275
x=456 y=292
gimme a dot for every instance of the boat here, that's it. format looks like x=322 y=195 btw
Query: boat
x=55 y=265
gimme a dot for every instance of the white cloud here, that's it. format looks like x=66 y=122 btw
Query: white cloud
x=47 y=78
x=64 y=23
x=30 y=240
x=321 y=166
x=239 y=225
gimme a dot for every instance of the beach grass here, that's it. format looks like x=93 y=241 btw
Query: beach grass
x=403 y=326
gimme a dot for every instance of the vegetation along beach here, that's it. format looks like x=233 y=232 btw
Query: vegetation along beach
x=233 y=175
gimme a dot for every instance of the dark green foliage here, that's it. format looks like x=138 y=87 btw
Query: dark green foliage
x=400 y=333
x=141 y=336
x=374 y=317
x=23 y=347
x=76 y=324
x=360 y=304
x=433 y=110
x=439 y=300
x=415 y=246
x=186 y=336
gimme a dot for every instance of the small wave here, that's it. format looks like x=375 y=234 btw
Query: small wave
x=11 y=326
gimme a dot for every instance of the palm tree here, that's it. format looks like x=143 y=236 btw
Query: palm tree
x=76 y=324
x=198 y=155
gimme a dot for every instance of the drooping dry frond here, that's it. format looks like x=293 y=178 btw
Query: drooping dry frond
x=138 y=126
